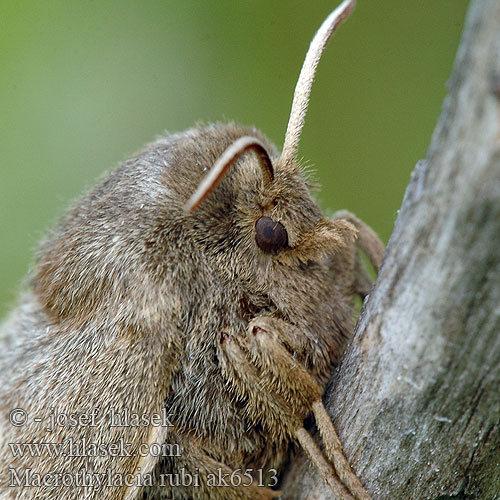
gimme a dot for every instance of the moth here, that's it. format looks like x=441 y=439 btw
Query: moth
x=182 y=322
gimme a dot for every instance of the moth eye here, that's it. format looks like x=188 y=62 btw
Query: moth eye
x=271 y=236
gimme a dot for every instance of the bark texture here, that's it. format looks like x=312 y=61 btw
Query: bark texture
x=416 y=400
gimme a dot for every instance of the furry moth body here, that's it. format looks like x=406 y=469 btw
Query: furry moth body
x=222 y=301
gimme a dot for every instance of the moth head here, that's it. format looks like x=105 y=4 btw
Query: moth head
x=288 y=224
x=127 y=244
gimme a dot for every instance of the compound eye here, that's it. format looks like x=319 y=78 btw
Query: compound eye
x=271 y=236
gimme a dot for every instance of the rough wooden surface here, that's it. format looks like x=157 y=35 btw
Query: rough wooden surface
x=416 y=400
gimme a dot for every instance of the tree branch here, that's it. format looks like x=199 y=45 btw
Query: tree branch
x=416 y=400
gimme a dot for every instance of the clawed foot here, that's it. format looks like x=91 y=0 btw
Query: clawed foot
x=281 y=393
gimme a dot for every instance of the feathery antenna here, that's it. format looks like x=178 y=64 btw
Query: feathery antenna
x=306 y=77
x=220 y=167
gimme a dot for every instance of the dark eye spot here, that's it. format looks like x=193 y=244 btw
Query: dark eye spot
x=271 y=236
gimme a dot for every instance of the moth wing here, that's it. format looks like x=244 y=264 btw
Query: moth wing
x=86 y=395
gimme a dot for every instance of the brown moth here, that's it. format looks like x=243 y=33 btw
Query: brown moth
x=182 y=322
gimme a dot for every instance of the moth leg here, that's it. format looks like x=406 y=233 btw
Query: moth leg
x=282 y=416
x=368 y=241
x=333 y=449
x=363 y=280
x=350 y=266
x=265 y=337
x=323 y=467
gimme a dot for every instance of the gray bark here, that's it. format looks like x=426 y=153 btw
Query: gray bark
x=416 y=400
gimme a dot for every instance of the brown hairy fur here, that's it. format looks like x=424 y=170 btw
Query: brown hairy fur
x=136 y=304
x=131 y=297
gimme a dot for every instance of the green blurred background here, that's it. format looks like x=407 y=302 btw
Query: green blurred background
x=85 y=84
